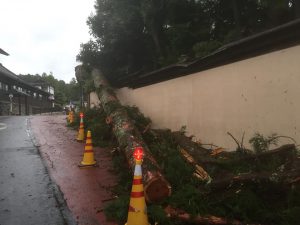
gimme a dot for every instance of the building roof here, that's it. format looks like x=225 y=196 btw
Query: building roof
x=11 y=76
x=280 y=37
x=3 y=52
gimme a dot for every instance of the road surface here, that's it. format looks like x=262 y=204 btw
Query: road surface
x=27 y=195
x=87 y=190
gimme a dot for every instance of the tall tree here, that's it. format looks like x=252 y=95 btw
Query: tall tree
x=296 y=5
x=154 y=14
x=137 y=36
x=119 y=45
x=63 y=93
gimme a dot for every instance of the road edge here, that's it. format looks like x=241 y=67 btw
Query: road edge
x=58 y=194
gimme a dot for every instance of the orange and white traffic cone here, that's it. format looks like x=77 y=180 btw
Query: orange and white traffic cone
x=68 y=117
x=88 y=155
x=71 y=117
x=137 y=212
x=80 y=136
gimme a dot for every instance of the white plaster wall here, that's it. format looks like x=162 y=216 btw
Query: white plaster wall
x=261 y=94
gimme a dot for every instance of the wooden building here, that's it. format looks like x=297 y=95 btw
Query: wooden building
x=18 y=97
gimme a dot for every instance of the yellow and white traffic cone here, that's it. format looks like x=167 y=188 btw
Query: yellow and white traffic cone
x=71 y=117
x=88 y=155
x=80 y=136
x=68 y=118
x=137 y=212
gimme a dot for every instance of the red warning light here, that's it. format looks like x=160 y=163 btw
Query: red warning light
x=138 y=153
x=81 y=115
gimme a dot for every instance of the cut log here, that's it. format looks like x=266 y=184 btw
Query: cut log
x=205 y=158
x=156 y=187
x=200 y=173
x=189 y=145
x=201 y=155
x=283 y=152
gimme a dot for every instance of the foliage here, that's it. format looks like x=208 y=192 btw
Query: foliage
x=261 y=202
x=119 y=46
x=94 y=120
x=63 y=93
x=244 y=205
x=157 y=215
x=203 y=48
x=175 y=169
x=138 y=36
x=261 y=143
x=118 y=209
x=139 y=120
x=189 y=198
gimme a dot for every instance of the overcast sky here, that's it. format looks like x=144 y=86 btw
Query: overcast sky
x=43 y=35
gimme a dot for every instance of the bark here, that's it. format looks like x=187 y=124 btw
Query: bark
x=283 y=179
x=200 y=173
x=188 y=144
x=283 y=152
x=205 y=158
x=156 y=187
x=201 y=155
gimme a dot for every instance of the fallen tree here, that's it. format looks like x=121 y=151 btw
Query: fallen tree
x=156 y=187
x=206 y=158
x=240 y=187
x=280 y=178
x=200 y=173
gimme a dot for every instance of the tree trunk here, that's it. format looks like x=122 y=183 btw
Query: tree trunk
x=200 y=173
x=204 y=157
x=283 y=179
x=201 y=155
x=283 y=152
x=156 y=187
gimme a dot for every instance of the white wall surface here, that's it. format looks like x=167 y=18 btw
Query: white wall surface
x=260 y=94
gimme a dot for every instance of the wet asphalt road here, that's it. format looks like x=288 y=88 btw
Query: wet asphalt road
x=27 y=195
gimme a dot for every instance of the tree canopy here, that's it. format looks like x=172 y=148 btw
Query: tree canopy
x=138 y=36
x=63 y=92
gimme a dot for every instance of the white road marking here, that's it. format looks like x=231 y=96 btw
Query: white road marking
x=27 y=128
x=3 y=126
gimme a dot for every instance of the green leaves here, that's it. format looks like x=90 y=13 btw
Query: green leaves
x=261 y=143
x=63 y=93
x=138 y=36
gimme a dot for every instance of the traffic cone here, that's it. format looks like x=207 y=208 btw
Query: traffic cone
x=88 y=155
x=137 y=212
x=80 y=136
x=71 y=117
x=68 y=117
